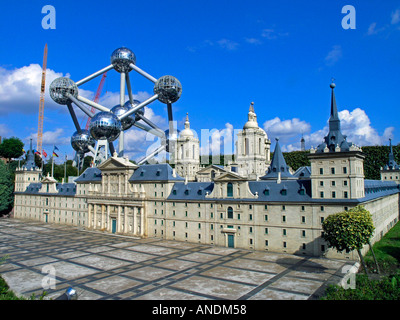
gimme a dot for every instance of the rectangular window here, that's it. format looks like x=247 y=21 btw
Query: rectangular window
x=303 y=233
x=322 y=219
x=303 y=219
x=345 y=194
x=303 y=208
x=266 y=230
x=266 y=243
x=250 y=229
x=283 y=208
x=321 y=183
x=345 y=183
x=283 y=218
x=322 y=208
x=321 y=194
x=284 y=232
x=333 y=170
x=333 y=183
x=266 y=217
x=250 y=217
x=344 y=169
x=321 y=170
x=266 y=207
x=284 y=244
x=333 y=194
x=251 y=241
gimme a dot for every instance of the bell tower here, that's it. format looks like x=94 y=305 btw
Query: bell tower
x=252 y=148
x=188 y=153
x=337 y=166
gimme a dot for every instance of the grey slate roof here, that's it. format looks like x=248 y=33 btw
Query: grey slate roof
x=278 y=165
x=303 y=172
x=191 y=191
x=155 y=172
x=90 y=175
x=64 y=189
x=288 y=191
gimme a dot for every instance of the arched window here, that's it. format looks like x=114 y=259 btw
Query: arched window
x=229 y=190
x=230 y=213
x=212 y=174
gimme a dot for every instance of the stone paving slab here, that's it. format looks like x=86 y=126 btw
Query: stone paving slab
x=105 y=266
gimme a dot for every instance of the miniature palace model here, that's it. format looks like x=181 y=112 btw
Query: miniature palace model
x=253 y=203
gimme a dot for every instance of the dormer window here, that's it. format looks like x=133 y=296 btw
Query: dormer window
x=158 y=173
x=186 y=192
x=141 y=174
x=174 y=192
x=199 y=192
x=266 y=192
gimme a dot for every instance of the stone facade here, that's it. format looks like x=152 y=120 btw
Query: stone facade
x=277 y=211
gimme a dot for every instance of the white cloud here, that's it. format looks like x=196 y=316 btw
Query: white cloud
x=228 y=44
x=355 y=124
x=272 y=34
x=286 y=129
x=395 y=17
x=20 y=89
x=51 y=138
x=334 y=55
x=218 y=141
x=254 y=41
x=373 y=30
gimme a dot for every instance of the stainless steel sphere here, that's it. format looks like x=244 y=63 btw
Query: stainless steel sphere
x=168 y=88
x=135 y=103
x=60 y=88
x=119 y=110
x=105 y=126
x=121 y=58
x=80 y=142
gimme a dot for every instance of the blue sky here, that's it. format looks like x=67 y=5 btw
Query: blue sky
x=279 y=54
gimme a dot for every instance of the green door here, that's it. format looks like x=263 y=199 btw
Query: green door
x=114 y=225
x=231 y=241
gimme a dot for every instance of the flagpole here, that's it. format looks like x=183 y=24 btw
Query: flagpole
x=65 y=169
x=52 y=164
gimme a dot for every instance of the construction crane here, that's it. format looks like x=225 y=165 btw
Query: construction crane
x=97 y=97
x=41 y=104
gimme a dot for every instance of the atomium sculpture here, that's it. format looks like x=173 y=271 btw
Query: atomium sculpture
x=109 y=124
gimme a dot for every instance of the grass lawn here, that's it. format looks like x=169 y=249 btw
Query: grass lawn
x=387 y=252
x=386 y=285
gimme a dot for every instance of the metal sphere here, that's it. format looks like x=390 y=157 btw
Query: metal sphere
x=168 y=88
x=80 y=141
x=135 y=103
x=60 y=88
x=119 y=110
x=121 y=58
x=105 y=126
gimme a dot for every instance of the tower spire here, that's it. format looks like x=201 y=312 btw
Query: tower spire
x=334 y=122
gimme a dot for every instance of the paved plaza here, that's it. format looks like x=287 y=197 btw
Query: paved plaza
x=112 y=267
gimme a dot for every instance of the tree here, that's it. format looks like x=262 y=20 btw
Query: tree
x=349 y=230
x=11 y=148
x=6 y=189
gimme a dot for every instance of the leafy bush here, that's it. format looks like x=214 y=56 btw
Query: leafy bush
x=388 y=288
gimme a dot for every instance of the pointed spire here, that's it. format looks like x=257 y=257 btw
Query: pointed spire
x=278 y=168
x=187 y=123
x=251 y=109
x=334 y=122
x=252 y=118
x=392 y=164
